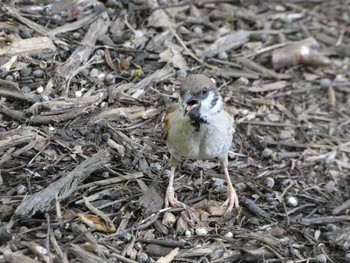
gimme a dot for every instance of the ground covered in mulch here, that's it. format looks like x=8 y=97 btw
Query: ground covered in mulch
x=83 y=167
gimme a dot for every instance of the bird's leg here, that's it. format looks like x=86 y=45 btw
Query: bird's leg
x=232 y=199
x=170 y=192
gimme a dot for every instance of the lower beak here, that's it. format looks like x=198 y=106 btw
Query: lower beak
x=188 y=103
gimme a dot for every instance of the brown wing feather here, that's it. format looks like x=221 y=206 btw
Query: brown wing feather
x=165 y=120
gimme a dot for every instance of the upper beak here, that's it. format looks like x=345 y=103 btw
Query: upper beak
x=189 y=102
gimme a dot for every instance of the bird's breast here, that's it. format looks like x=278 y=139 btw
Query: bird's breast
x=210 y=139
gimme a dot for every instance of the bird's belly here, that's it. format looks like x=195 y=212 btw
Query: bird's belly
x=200 y=145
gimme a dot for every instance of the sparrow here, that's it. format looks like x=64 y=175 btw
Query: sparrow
x=200 y=128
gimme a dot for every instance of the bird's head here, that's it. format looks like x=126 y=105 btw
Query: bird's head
x=199 y=96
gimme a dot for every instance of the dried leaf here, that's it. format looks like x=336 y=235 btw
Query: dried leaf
x=94 y=221
x=173 y=55
x=109 y=59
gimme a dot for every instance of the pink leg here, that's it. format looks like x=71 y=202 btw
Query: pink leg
x=232 y=199
x=170 y=193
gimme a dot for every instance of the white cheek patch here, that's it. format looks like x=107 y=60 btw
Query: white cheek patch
x=213 y=80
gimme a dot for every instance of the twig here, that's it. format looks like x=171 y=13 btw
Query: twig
x=189 y=51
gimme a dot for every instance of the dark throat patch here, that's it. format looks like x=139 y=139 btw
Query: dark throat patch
x=196 y=119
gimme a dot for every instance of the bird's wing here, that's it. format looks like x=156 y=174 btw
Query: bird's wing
x=165 y=120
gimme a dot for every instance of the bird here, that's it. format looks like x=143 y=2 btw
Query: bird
x=199 y=127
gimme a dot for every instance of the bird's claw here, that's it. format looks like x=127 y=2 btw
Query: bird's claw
x=231 y=201
x=172 y=200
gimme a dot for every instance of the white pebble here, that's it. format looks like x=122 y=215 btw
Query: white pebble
x=223 y=55
x=198 y=30
x=129 y=45
x=244 y=112
x=94 y=73
x=321 y=258
x=292 y=201
x=347 y=257
x=325 y=83
x=242 y=81
x=138 y=34
x=40 y=89
x=339 y=77
x=229 y=234
x=169 y=219
x=201 y=231
x=188 y=233
x=22 y=189
x=78 y=94
x=267 y=153
x=269 y=182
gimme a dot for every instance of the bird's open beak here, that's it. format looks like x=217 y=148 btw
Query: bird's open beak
x=189 y=102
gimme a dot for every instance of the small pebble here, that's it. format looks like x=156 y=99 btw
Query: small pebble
x=347 y=257
x=16 y=75
x=138 y=246
x=280 y=8
x=339 y=77
x=105 y=175
x=22 y=189
x=325 y=83
x=188 y=233
x=242 y=81
x=76 y=35
x=94 y=73
x=110 y=78
x=201 y=231
x=297 y=109
x=321 y=258
x=229 y=234
x=56 y=17
x=292 y=201
x=100 y=53
x=331 y=227
x=266 y=153
x=67 y=226
x=181 y=225
x=58 y=234
x=223 y=55
x=127 y=236
x=43 y=64
x=138 y=34
x=84 y=72
x=25 y=89
x=149 y=235
x=169 y=219
x=198 y=30
x=78 y=94
x=9 y=78
x=143 y=257
x=269 y=182
x=129 y=45
x=69 y=237
x=244 y=112
x=269 y=197
x=38 y=73
x=44 y=98
x=40 y=89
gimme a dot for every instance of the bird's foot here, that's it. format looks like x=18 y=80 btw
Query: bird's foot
x=172 y=200
x=231 y=201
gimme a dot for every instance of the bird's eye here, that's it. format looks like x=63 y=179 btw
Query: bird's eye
x=204 y=90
